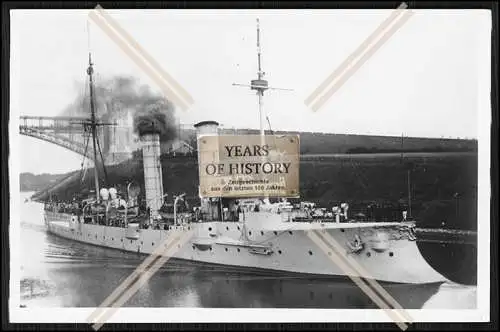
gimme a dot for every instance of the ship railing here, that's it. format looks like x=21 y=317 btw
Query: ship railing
x=60 y=216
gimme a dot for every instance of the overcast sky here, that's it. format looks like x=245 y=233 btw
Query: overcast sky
x=423 y=81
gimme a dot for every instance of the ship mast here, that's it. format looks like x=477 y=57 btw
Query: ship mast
x=260 y=84
x=93 y=124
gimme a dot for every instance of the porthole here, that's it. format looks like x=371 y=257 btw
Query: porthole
x=209 y=229
x=210 y=248
x=290 y=232
x=310 y=252
x=391 y=254
x=275 y=233
x=368 y=254
x=279 y=252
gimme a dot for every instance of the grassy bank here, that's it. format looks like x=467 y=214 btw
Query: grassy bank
x=319 y=143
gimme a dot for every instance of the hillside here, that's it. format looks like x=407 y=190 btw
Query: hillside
x=310 y=144
x=325 y=143
x=32 y=182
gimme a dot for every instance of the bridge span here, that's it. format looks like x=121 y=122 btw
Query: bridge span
x=117 y=142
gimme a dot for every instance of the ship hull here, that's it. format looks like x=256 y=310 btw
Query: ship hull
x=287 y=250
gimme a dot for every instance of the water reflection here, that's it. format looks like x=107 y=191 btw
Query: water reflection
x=61 y=273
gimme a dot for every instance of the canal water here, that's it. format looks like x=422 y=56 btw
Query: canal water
x=56 y=272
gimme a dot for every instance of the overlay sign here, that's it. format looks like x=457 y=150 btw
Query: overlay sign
x=245 y=166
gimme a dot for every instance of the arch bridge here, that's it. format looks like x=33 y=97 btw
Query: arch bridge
x=116 y=142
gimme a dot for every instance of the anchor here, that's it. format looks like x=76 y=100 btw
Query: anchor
x=356 y=245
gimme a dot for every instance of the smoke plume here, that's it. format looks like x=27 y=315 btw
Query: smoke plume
x=158 y=118
x=151 y=112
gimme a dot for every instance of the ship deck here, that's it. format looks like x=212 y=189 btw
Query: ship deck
x=297 y=226
x=329 y=225
x=60 y=223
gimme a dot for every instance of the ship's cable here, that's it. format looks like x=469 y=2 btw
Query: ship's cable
x=102 y=161
x=83 y=168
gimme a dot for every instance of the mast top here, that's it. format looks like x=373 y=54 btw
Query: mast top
x=260 y=84
x=260 y=73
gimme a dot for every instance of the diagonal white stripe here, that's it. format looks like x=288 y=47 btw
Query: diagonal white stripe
x=131 y=52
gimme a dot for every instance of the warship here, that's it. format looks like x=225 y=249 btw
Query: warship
x=248 y=233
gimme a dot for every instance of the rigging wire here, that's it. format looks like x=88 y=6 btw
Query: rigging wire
x=87 y=138
x=269 y=123
x=271 y=130
x=86 y=134
x=102 y=161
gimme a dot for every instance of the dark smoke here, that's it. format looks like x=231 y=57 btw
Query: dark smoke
x=156 y=118
x=151 y=112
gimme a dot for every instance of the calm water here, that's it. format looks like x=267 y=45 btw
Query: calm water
x=60 y=273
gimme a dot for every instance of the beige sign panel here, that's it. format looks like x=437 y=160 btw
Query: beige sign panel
x=249 y=166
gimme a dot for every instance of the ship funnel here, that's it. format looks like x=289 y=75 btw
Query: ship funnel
x=153 y=180
x=205 y=128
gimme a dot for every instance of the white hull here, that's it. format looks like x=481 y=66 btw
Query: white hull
x=398 y=260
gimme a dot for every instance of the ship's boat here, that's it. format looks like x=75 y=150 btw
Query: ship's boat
x=251 y=232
